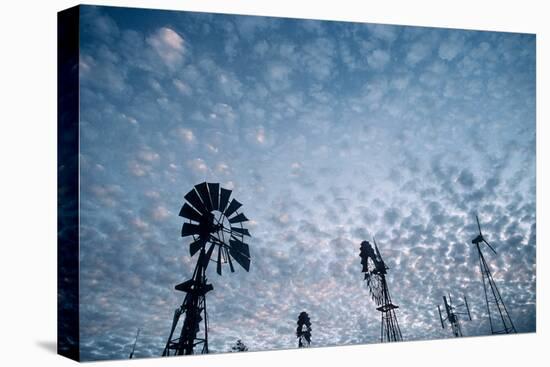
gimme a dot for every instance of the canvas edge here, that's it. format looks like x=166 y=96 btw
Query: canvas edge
x=68 y=331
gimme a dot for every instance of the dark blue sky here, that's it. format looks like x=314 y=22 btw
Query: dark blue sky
x=329 y=133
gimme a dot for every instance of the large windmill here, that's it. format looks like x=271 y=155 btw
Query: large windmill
x=375 y=275
x=499 y=318
x=303 y=330
x=453 y=313
x=214 y=223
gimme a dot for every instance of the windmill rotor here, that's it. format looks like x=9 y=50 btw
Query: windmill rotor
x=480 y=238
x=374 y=269
x=215 y=223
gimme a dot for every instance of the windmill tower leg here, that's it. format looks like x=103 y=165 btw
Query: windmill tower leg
x=499 y=318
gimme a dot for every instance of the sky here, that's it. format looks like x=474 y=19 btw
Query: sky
x=329 y=133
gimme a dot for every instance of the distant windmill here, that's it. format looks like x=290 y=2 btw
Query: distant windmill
x=239 y=346
x=303 y=331
x=375 y=275
x=499 y=319
x=453 y=313
x=213 y=222
x=134 y=347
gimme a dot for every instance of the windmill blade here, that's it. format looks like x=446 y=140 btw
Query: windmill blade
x=467 y=308
x=491 y=247
x=242 y=231
x=240 y=258
x=224 y=199
x=447 y=307
x=229 y=260
x=214 y=190
x=378 y=256
x=219 y=264
x=238 y=218
x=196 y=246
x=189 y=229
x=478 y=226
x=188 y=212
x=239 y=246
x=233 y=206
x=440 y=317
x=193 y=198
x=202 y=189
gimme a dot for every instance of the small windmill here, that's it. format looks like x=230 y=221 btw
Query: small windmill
x=303 y=331
x=239 y=346
x=375 y=274
x=134 y=346
x=453 y=313
x=214 y=222
x=499 y=319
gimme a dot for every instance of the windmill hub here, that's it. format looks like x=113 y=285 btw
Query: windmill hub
x=218 y=227
x=478 y=239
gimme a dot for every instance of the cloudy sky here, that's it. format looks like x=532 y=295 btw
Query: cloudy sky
x=329 y=133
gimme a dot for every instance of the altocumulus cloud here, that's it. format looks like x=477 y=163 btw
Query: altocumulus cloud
x=344 y=132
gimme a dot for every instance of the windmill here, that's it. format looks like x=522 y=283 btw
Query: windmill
x=499 y=318
x=453 y=313
x=134 y=347
x=239 y=346
x=214 y=223
x=375 y=274
x=303 y=331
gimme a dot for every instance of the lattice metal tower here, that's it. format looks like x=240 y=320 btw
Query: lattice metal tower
x=214 y=222
x=375 y=274
x=499 y=318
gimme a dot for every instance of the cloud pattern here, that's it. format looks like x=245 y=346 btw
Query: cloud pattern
x=329 y=133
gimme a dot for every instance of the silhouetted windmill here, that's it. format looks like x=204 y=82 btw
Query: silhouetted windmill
x=239 y=346
x=453 y=314
x=499 y=319
x=134 y=347
x=375 y=275
x=303 y=331
x=213 y=222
